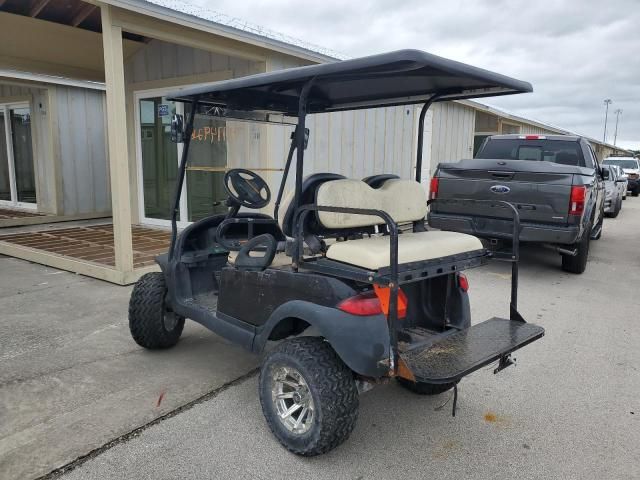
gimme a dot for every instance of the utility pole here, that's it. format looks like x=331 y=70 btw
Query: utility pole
x=618 y=112
x=607 y=102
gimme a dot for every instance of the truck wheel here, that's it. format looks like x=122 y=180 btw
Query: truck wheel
x=422 y=388
x=578 y=263
x=152 y=323
x=635 y=192
x=615 y=213
x=308 y=395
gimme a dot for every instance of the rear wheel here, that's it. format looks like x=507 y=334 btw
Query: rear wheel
x=152 y=323
x=616 y=211
x=308 y=395
x=578 y=263
x=422 y=388
x=635 y=192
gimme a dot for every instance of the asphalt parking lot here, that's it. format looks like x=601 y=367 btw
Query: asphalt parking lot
x=72 y=381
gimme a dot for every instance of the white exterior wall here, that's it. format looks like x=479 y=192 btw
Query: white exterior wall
x=82 y=150
x=451 y=139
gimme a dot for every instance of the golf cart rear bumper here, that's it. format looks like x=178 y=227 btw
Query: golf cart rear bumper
x=502 y=229
x=465 y=351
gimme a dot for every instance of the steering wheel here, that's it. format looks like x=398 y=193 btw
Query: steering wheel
x=247 y=188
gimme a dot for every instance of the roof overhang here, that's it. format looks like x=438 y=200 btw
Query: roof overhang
x=191 y=21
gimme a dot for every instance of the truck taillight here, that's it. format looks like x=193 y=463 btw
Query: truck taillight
x=532 y=137
x=433 y=188
x=576 y=203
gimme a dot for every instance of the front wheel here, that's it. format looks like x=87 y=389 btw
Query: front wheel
x=308 y=395
x=152 y=323
x=578 y=263
x=422 y=388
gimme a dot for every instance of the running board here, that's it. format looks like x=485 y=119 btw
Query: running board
x=449 y=359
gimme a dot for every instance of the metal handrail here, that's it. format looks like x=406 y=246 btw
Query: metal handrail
x=515 y=248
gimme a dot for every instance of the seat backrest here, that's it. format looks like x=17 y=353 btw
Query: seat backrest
x=404 y=200
x=376 y=181
x=310 y=185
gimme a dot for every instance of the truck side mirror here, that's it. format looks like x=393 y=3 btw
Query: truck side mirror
x=605 y=174
x=177 y=128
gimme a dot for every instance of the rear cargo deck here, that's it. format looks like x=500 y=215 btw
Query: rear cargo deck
x=449 y=358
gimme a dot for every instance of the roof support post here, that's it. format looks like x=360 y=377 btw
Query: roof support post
x=423 y=114
x=117 y=141
x=300 y=134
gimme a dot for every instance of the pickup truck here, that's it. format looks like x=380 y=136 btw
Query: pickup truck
x=555 y=182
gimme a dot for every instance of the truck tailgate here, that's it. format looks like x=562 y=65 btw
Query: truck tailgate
x=541 y=196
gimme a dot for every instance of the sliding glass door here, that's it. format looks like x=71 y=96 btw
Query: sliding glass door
x=17 y=172
x=159 y=158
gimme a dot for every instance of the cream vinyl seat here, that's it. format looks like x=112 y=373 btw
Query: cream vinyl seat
x=373 y=253
x=405 y=201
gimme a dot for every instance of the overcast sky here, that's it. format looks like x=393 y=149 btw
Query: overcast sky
x=575 y=53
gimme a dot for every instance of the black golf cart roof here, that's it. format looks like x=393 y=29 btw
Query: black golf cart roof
x=395 y=78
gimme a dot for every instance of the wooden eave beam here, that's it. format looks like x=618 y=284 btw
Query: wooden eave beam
x=37 y=7
x=82 y=15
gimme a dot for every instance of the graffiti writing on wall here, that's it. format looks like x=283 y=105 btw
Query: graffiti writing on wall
x=209 y=134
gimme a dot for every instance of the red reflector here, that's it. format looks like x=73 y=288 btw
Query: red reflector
x=576 y=203
x=463 y=282
x=384 y=294
x=433 y=188
x=363 y=304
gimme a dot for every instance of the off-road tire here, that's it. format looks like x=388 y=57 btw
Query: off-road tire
x=146 y=314
x=578 y=263
x=332 y=387
x=422 y=388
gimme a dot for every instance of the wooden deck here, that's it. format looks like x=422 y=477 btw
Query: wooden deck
x=94 y=243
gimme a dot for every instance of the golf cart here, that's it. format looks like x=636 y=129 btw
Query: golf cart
x=344 y=274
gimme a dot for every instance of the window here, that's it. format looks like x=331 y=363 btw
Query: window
x=564 y=152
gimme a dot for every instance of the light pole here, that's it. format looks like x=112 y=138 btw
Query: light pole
x=607 y=102
x=618 y=112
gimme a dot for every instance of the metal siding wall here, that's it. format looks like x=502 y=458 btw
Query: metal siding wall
x=81 y=131
x=162 y=60
x=452 y=134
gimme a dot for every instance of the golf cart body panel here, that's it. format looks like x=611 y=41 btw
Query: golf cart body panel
x=385 y=296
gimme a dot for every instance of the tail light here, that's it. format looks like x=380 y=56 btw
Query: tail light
x=433 y=188
x=463 y=282
x=578 y=195
x=532 y=137
x=363 y=304
x=374 y=302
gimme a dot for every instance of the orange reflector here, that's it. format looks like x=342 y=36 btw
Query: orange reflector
x=384 y=294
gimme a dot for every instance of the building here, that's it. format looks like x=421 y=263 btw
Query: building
x=84 y=126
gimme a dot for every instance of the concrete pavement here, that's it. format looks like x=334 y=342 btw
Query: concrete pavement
x=569 y=409
x=71 y=377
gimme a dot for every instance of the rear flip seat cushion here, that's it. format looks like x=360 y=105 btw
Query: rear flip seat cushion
x=373 y=253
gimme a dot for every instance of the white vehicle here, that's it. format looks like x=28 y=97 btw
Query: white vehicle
x=631 y=167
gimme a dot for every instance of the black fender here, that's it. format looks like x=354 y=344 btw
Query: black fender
x=362 y=342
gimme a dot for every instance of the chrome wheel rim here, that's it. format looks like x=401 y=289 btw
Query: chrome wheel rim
x=292 y=398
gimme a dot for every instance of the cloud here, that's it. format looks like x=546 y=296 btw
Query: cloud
x=575 y=54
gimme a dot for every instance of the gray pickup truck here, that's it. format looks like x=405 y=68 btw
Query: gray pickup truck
x=555 y=181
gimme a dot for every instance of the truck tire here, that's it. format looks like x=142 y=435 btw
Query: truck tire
x=578 y=263
x=615 y=213
x=635 y=192
x=422 y=388
x=152 y=323
x=305 y=377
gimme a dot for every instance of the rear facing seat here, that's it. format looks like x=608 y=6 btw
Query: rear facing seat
x=405 y=201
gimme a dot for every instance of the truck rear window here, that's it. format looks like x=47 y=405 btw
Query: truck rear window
x=556 y=151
